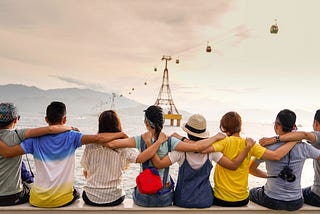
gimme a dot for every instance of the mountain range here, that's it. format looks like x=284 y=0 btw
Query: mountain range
x=33 y=100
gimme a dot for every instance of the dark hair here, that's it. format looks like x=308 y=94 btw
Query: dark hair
x=194 y=138
x=109 y=121
x=55 y=112
x=287 y=119
x=155 y=115
x=317 y=116
x=4 y=125
x=230 y=123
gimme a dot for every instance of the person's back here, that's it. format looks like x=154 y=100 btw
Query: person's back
x=282 y=190
x=55 y=163
x=103 y=167
x=10 y=179
x=279 y=188
x=232 y=185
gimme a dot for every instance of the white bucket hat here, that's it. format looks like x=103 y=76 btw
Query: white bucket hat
x=196 y=126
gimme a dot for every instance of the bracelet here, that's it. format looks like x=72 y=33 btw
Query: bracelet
x=277 y=138
x=183 y=138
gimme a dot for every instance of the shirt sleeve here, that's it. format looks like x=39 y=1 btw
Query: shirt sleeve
x=215 y=156
x=317 y=142
x=219 y=145
x=257 y=151
x=174 y=143
x=176 y=156
x=77 y=139
x=311 y=151
x=138 y=141
x=21 y=134
x=27 y=146
x=131 y=154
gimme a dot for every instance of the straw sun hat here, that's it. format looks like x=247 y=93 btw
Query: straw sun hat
x=196 y=126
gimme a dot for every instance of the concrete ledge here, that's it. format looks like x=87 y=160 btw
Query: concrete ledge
x=129 y=206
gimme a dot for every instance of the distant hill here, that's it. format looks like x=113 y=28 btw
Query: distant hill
x=78 y=101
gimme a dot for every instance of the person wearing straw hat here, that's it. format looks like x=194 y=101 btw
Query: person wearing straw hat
x=193 y=186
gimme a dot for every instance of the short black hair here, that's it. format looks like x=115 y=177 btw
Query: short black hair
x=287 y=119
x=4 y=125
x=55 y=112
x=317 y=116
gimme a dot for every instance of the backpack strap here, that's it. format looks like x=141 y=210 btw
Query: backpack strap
x=142 y=148
x=166 y=170
x=25 y=153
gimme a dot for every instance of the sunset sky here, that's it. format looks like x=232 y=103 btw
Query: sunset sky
x=114 y=45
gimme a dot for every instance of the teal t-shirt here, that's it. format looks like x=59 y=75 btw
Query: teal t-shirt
x=162 y=151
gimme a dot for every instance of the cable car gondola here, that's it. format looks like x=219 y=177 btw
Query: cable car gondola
x=274 y=28
x=208 y=49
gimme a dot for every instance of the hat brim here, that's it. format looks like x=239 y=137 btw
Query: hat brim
x=204 y=134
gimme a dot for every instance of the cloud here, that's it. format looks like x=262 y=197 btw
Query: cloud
x=238 y=90
x=79 y=83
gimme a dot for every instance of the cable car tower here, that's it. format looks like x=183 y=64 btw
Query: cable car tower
x=165 y=100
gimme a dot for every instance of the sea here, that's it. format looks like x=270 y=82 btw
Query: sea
x=133 y=125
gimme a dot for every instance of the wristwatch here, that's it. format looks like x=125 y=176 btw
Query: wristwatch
x=277 y=138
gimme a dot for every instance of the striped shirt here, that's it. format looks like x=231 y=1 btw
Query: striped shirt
x=104 y=168
x=55 y=163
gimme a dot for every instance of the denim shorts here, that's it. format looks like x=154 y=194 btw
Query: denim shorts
x=153 y=200
x=258 y=196
x=310 y=197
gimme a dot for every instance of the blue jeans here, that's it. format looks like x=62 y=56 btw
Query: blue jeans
x=153 y=200
x=258 y=196
x=310 y=197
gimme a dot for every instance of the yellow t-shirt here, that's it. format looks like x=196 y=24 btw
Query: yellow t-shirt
x=232 y=185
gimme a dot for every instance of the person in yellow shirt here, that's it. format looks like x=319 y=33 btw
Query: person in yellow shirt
x=231 y=186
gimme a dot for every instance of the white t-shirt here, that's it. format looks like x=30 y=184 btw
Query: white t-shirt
x=196 y=160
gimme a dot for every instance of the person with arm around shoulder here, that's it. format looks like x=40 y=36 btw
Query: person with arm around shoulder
x=231 y=186
x=54 y=158
x=193 y=188
x=311 y=194
x=282 y=190
x=103 y=186
x=12 y=191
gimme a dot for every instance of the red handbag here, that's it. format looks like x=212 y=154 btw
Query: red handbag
x=149 y=181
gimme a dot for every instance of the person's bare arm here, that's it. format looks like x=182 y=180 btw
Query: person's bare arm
x=121 y=143
x=52 y=129
x=199 y=145
x=292 y=136
x=10 y=151
x=279 y=152
x=237 y=161
x=102 y=138
x=151 y=150
x=254 y=170
x=161 y=163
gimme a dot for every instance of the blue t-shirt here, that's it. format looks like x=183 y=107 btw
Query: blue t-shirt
x=55 y=163
x=162 y=151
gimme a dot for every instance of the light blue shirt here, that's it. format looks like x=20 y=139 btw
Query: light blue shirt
x=162 y=151
x=280 y=189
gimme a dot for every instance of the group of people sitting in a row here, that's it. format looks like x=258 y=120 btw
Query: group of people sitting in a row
x=108 y=153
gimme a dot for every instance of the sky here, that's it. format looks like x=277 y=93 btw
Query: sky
x=114 y=45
